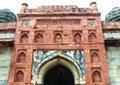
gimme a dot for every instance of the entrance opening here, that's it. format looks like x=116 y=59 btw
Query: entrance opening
x=59 y=75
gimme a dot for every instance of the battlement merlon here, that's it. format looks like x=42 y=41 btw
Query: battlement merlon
x=59 y=9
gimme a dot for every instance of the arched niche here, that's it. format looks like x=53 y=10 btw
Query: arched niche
x=58 y=38
x=24 y=38
x=77 y=38
x=21 y=57
x=38 y=38
x=96 y=76
x=19 y=76
x=58 y=60
x=94 y=57
x=92 y=37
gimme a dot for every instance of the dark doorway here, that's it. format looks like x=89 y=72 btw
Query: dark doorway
x=59 y=75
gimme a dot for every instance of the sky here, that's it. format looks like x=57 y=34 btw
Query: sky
x=104 y=6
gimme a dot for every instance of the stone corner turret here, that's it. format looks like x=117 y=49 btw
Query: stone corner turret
x=93 y=7
x=24 y=8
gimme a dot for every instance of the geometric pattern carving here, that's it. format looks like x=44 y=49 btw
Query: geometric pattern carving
x=76 y=56
x=25 y=22
x=73 y=56
x=90 y=21
x=58 y=22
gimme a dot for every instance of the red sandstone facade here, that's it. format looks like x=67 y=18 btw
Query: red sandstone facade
x=59 y=28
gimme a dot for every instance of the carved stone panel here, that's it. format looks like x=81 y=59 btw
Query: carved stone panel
x=43 y=56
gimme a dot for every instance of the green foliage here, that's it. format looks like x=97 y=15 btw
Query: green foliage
x=113 y=15
x=7 y=16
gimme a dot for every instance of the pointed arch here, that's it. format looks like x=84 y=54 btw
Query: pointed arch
x=24 y=38
x=94 y=57
x=96 y=76
x=58 y=38
x=77 y=38
x=21 y=57
x=61 y=60
x=19 y=76
x=92 y=37
x=38 y=38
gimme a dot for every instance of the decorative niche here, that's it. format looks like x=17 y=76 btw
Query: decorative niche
x=94 y=55
x=38 y=38
x=96 y=75
x=26 y=22
x=24 y=37
x=77 y=36
x=92 y=36
x=19 y=76
x=58 y=36
x=21 y=56
x=91 y=21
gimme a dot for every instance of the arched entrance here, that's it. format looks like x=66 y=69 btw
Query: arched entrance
x=59 y=75
x=46 y=69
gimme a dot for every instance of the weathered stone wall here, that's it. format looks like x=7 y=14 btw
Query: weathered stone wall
x=5 y=58
x=58 y=29
x=113 y=60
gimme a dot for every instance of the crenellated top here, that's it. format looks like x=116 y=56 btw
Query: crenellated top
x=58 y=9
x=11 y=25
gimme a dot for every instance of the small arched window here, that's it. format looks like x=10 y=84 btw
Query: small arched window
x=96 y=76
x=24 y=38
x=21 y=57
x=19 y=77
x=77 y=38
x=92 y=37
x=39 y=38
x=58 y=38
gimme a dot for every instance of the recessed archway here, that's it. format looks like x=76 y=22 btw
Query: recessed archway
x=43 y=67
x=59 y=75
x=51 y=63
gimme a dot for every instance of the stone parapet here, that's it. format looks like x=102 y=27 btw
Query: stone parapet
x=59 y=9
x=109 y=25
x=11 y=25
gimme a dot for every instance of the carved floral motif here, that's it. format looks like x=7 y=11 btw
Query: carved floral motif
x=75 y=56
